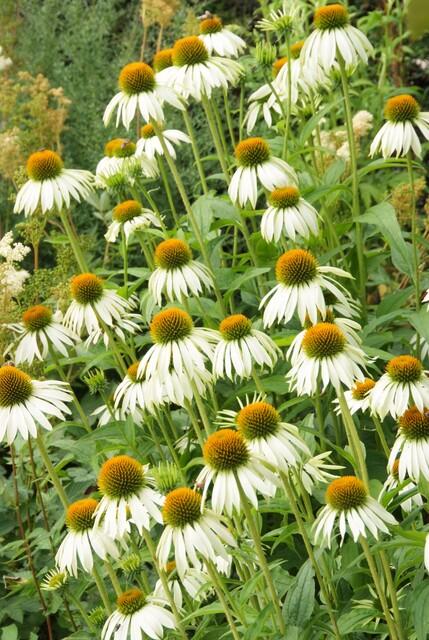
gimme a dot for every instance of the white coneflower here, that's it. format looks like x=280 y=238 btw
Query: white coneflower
x=162 y=59
x=106 y=413
x=130 y=216
x=93 y=303
x=317 y=470
x=178 y=346
x=358 y=398
x=136 y=616
x=83 y=539
x=195 y=72
x=38 y=331
x=404 y=383
x=334 y=38
x=120 y=164
x=398 y=135
x=150 y=144
x=140 y=91
x=51 y=186
x=136 y=394
x=228 y=458
x=241 y=348
x=412 y=445
x=301 y=282
x=195 y=582
x=26 y=403
x=408 y=502
x=128 y=497
x=54 y=580
x=349 y=503
x=322 y=355
x=219 y=40
x=255 y=162
x=194 y=533
x=288 y=215
x=262 y=102
x=276 y=443
x=177 y=275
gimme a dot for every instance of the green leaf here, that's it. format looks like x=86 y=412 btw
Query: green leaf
x=250 y=274
x=420 y=610
x=10 y=632
x=420 y=322
x=383 y=216
x=299 y=603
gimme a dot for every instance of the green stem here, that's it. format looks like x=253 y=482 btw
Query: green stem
x=51 y=471
x=146 y=252
x=125 y=260
x=211 y=119
x=195 y=227
x=64 y=378
x=253 y=529
x=113 y=578
x=355 y=183
x=196 y=152
x=164 y=581
x=194 y=422
x=221 y=596
x=289 y=96
x=379 y=588
x=319 y=414
x=381 y=436
x=112 y=344
x=415 y=240
x=80 y=259
x=81 y=610
x=392 y=593
x=170 y=445
x=201 y=408
x=258 y=383
x=219 y=126
x=229 y=117
x=310 y=553
x=353 y=438
x=102 y=590
x=166 y=184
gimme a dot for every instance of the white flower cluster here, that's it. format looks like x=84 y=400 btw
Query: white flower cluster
x=11 y=278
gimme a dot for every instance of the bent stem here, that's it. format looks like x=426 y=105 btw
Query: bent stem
x=355 y=183
x=379 y=588
x=253 y=529
x=310 y=553
x=353 y=438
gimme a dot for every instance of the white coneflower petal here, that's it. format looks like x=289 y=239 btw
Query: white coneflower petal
x=136 y=616
x=219 y=40
x=408 y=502
x=358 y=398
x=288 y=215
x=404 y=383
x=26 y=403
x=130 y=216
x=150 y=144
x=412 y=445
x=50 y=186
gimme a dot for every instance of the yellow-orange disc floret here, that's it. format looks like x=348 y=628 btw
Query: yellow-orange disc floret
x=361 y=389
x=86 y=288
x=346 y=493
x=37 y=317
x=127 y=210
x=170 y=325
x=405 y=369
x=172 y=254
x=258 y=420
x=251 y=152
x=130 y=601
x=121 y=477
x=181 y=507
x=401 y=108
x=323 y=340
x=332 y=16
x=226 y=450
x=235 y=327
x=15 y=386
x=189 y=51
x=44 y=165
x=296 y=267
x=136 y=77
x=414 y=424
x=80 y=514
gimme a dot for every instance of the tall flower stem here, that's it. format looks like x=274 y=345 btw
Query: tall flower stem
x=61 y=373
x=194 y=224
x=219 y=126
x=379 y=588
x=112 y=344
x=113 y=578
x=51 y=471
x=289 y=96
x=222 y=599
x=146 y=252
x=194 y=422
x=170 y=445
x=392 y=593
x=381 y=436
x=353 y=438
x=415 y=240
x=102 y=589
x=81 y=610
x=310 y=553
x=258 y=384
x=229 y=117
x=355 y=183
x=70 y=232
x=253 y=529
x=164 y=581
x=125 y=260
x=201 y=408
x=211 y=119
x=164 y=177
x=191 y=133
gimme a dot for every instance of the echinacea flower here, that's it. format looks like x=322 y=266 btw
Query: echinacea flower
x=412 y=445
x=162 y=60
x=229 y=463
x=130 y=216
x=50 y=185
x=334 y=39
x=358 y=398
x=408 y=502
x=39 y=331
x=398 y=135
x=317 y=470
x=137 y=616
x=150 y=144
x=255 y=162
x=177 y=275
x=54 y=580
x=135 y=394
x=301 y=281
x=349 y=502
x=26 y=403
x=120 y=164
x=93 y=304
x=195 y=72
x=196 y=583
x=83 y=539
x=288 y=215
x=276 y=443
x=404 y=383
x=241 y=347
x=179 y=348
x=194 y=532
x=219 y=40
x=322 y=355
x=140 y=91
x=128 y=497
